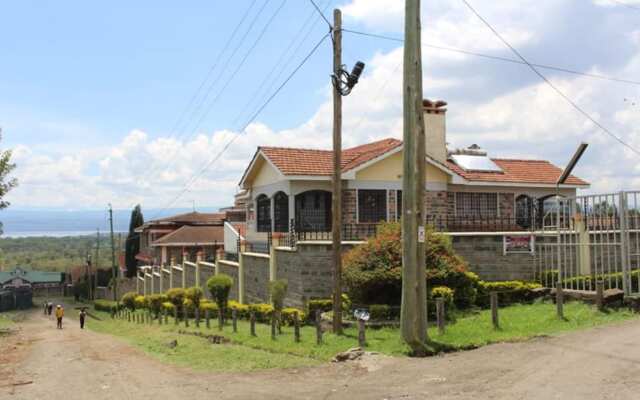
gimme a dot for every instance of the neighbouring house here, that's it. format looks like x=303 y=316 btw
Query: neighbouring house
x=22 y=277
x=465 y=189
x=170 y=238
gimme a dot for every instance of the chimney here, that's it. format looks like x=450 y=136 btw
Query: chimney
x=435 y=129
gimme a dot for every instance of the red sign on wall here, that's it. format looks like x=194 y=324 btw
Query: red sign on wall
x=518 y=244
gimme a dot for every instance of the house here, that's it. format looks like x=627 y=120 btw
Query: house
x=21 y=278
x=465 y=189
x=190 y=233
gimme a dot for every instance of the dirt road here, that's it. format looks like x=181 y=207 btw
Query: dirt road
x=72 y=364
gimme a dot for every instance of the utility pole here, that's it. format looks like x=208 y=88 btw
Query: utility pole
x=336 y=203
x=114 y=272
x=413 y=321
x=97 y=262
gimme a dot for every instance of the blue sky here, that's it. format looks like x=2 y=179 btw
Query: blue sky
x=91 y=92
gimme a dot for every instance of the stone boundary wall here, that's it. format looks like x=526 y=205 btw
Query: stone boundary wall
x=256 y=277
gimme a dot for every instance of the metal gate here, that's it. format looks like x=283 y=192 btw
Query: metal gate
x=588 y=238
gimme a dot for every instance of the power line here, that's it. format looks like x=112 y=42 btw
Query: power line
x=321 y=14
x=181 y=131
x=498 y=58
x=548 y=82
x=228 y=80
x=253 y=117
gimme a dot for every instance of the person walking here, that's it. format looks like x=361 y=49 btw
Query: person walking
x=50 y=309
x=59 y=315
x=83 y=315
x=45 y=306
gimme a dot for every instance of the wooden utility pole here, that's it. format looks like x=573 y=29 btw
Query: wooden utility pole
x=114 y=272
x=336 y=202
x=414 y=293
x=97 y=262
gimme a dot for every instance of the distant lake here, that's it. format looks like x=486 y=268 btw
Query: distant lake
x=58 y=223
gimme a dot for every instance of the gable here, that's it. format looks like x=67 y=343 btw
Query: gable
x=262 y=173
x=390 y=169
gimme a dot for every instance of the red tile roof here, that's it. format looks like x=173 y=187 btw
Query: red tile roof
x=192 y=235
x=291 y=161
x=518 y=171
x=192 y=218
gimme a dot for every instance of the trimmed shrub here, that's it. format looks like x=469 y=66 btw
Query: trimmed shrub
x=176 y=296
x=194 y=294
x=373 y=271
x=509 y=292
x=106 y=306
x=241 y=309
x=440 y=292
x=383 y=312
x=219 y=286
x=287 y=315
x=168 y=307
x=278 y=291
x=263 y=311
x=154 y=303
x=129 y=300
x=326 y=305
x=140 y=302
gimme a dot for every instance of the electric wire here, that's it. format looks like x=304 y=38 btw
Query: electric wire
x=321 y=14
x=235 y=136
x=498 y=58
x=550 y=84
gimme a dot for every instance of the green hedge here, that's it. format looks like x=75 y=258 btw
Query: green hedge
x=509 y=292
x=107 y=306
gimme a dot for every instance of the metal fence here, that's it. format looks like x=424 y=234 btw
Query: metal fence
x=591 y=238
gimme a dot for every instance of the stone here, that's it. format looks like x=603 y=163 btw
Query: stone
x=172 y=344
x=349 y=355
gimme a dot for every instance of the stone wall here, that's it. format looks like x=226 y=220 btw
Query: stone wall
x=256 y=278
x=484 y=254
x=230 y=268
x=439 y=203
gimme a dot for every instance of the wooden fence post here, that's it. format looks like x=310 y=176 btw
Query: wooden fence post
x=600 y=295
x=207 y=318
x=175 y=315
x=252 y=321
x=220 y=319
x=273 y=325
x=185 y=316
x=559 y=300
x=234 y=319
x=494 y=310
x=296 y=326
x=197 y=311
x=362 y=339
x=166 y=317
x=440 y=314
x=318 y=327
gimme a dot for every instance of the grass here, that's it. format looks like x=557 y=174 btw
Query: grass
x=6 y=320
x=518 y=322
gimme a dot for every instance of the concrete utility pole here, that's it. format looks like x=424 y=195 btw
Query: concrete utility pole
x=414 y=292
x=114 y=272
x=336 y=203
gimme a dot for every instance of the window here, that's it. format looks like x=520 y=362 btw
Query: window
x=281 y=212
x=264 y=213
x=372 y=205
x=398 y=205
x=477 y=204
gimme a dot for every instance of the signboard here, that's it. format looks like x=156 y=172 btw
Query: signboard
x=421 y=234
x=518 y=244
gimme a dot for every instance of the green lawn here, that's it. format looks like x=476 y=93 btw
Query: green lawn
x=518 y=322
x=6 y=320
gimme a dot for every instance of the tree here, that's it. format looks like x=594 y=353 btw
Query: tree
x=132 y=246
x=6 y=183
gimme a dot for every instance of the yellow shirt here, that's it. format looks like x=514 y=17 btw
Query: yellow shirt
x=59 y=312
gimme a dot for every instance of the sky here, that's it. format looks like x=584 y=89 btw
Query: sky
x=159 y=102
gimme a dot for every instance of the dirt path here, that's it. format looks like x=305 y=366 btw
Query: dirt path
x=72 y=364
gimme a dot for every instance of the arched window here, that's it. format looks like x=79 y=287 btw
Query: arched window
x=524 y=211
x=281 y=212
x=263 y=206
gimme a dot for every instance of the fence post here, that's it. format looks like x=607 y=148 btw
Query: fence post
x=318 y=327
x=185 y=316
x=440 y=314
x=166 y=317
x=273 y=325
x=362 y=340
x=240 y=278
x=207 y=318
x=197 y=311
x=494 y=310
x=296 y=326
x=624 y=244
x=252 y=321
x=175 y=315
x=234 y=319
x=559 y=300
x=159 y=319
x=600 y=295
